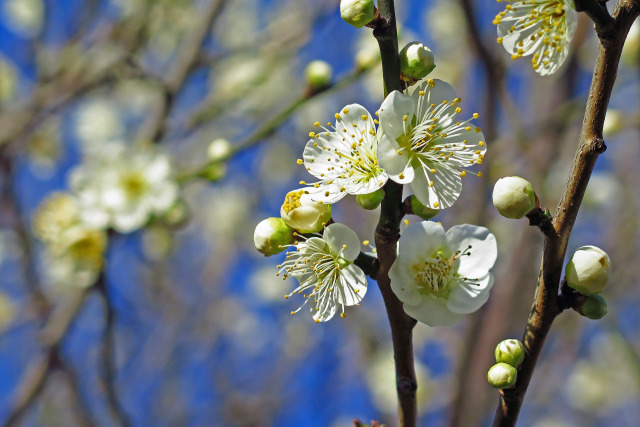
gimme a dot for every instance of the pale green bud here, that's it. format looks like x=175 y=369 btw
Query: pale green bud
x=421 y=210
x=588 y=271
x=272 y=235
x=318 y=74
x=303 y=214
x=513 y=197
x=357 y=12
x=218 y=149
x=594 y=307
x=613 y=123
x=502 y=375
x=416 y=61
x=214 y=171
x=372 y=200
x=510 y=351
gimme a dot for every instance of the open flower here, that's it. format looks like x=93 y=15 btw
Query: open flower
x=439 y=277
x=324 y=267
x=124 y=188
x=542 y=28
x=345 y=158
x=425 y=145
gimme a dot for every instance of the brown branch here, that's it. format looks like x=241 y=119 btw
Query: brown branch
x=156 y=125
x=591 y=145
x=604 y=23
x=387 y=235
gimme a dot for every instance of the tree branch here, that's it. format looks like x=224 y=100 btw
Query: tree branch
x=604 y=23
x=388 y=233
x=546 y=307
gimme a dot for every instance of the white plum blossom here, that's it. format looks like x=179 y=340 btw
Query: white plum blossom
x=328 y=278
x=542 y=28
x=303 y=214
x=441 y=276
x=425 y=145
x=124 y=189
x=344 y=159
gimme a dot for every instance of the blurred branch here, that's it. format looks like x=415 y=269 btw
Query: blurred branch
x=597 y=11
x=388 y=232
x=109 y=363
x=591 y=145
x=36 y=374
x=155 y=127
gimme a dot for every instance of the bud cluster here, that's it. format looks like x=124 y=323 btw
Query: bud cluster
x=509 y=355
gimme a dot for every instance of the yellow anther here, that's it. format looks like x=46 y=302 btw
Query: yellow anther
x=476 y=115
x=299 y=161
x=479 y=174
x=317 y=124
x=338 y=117
x=436 y=204
x=364 y=117
x=343 y=315
x=481 y=143
x=365 y=242
x=463 y=174
x=346 y=111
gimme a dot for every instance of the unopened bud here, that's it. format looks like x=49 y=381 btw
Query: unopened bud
x=372 y=200
x=218 y=149
x=303 y=214
x=588 y=271
x=613 y=123
x=214 y=171
x=357 y=12
x=421 y=210
x=594 y=307
x=513 y=197
x=318 y=74
x=416 y=61
x=510 y=351
x=502 y=375
x=272 y=235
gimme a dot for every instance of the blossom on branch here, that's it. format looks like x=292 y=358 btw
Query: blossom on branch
x=542 y=28
x=441 y=276
x=345 y=158
x=324 y=267
x=425 y=146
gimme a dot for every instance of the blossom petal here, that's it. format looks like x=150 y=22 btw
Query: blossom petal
x=353 y=285
x=432 y=313
x=392 y=111
x=419 y=241
x=444 y=191
x=484 y=249
x=467 y=298
x=403 y=284
x=391 y=161
x=324 y=309
x=342 y=241
x=435 y=92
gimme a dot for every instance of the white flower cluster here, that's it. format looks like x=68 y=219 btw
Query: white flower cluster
x=120 y=190
x=413 y=139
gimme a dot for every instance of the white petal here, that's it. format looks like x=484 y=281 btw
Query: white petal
x=446 y=188
x=392 y=162
x=357 y=115
x=352 y=278
x=403 y=284
x=392 y=112
x=324 y=310
x=441 y=91
x=419 y=242
x=484 y=249
x=467 y=298
x=342 y=241
x=432 y=313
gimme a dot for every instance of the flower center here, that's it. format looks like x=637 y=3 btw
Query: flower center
x=133 y=184
x=292 y=200
x=437 y=275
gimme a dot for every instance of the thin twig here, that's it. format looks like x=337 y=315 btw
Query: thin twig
x=545 y=307
x=604 y=23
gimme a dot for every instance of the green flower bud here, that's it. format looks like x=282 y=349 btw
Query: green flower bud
x=502 y=375
x=594 y=307
x=588 y=271
x=510 y=351
x=513 y=197
x=271 y=236
x=613 y=123
x=303 y=214
x=372 y=200
x=218 y=149
x=357 y=12
x=318 y=74
x=214 y=171
x=416 y=61
x=421 y=210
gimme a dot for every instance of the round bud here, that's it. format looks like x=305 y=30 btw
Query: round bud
x=303 y=214
x=218 y=149
x=214 y=171
x=357 y=12
x=502 y=375
x=513 y=197
x=588 y=271
x=416 y=61
x=271 y=236
x=370 y=201
x=421 y=210
x=318 y=74
x=510 y=351
x=594 y=307
x=613 y=123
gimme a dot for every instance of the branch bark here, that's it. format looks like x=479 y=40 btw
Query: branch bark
x=591 y=145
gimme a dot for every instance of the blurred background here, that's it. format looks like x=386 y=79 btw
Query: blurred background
x=186 y=324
